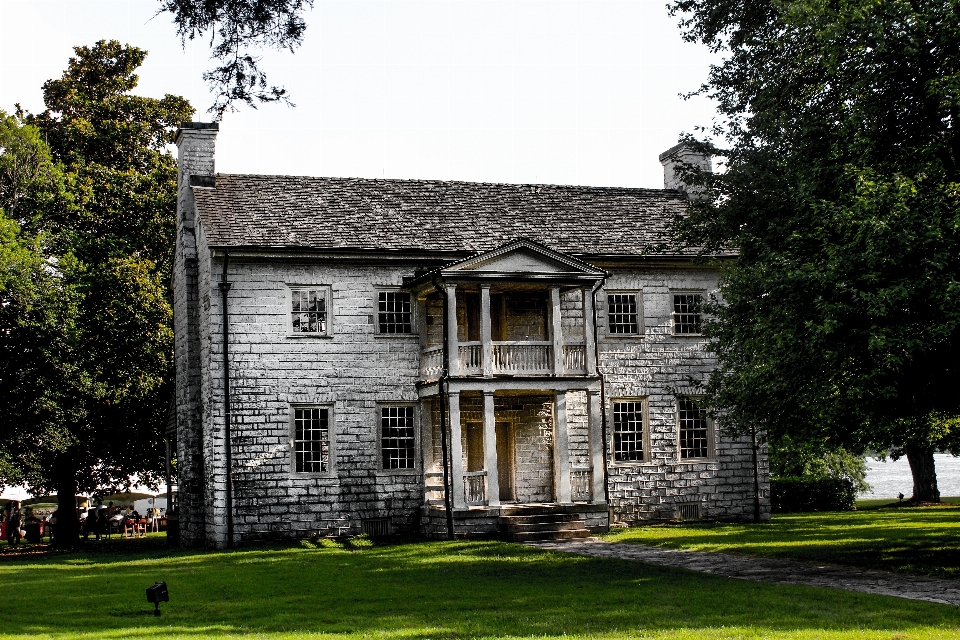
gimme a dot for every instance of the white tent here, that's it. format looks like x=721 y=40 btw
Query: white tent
x=13 y=493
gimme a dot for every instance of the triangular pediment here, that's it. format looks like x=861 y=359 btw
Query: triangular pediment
x=523 y=257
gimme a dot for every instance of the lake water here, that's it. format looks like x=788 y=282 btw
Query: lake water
x=890 y=478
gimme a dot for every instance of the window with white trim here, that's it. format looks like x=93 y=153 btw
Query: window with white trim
x=628 y=431
x=687 y=317
x=695 y=432
x=394 y=312
x=311 y=439
x=397 y=437
x=309 y=310
x=623 y=313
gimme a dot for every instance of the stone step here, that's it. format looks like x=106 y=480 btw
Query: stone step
x=523 y=536
x=542 y=517
x=572 y=525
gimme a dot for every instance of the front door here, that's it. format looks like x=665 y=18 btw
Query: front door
x=506 y=462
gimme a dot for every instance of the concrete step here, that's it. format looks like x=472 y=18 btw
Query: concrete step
x=572 y=525
x=523 y=536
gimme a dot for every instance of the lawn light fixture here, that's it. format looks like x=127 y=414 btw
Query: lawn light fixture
x=156 y=594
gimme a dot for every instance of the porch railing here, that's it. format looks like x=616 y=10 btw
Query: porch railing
x=580 y=484
x=575 y=358
x=523 y=357
x=475 y=487
x=431 y=363
x=471 y=357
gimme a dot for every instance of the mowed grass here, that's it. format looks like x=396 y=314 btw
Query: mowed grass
x=918 y=540
x=428 y=590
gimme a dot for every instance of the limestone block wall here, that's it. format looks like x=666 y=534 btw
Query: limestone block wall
x=655 y=368
x=352 y=373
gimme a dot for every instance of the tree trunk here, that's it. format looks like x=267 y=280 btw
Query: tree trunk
x=67 y=529
x=924 y=473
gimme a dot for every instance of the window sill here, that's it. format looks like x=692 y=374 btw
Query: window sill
x=309 y=336
x=404 y=336
x=687 y=335
x=696 y=460
x=630 y=464
x=624 y=336
x=398 y=472
x=330 y=475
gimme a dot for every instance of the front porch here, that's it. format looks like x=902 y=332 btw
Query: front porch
x=510 y=521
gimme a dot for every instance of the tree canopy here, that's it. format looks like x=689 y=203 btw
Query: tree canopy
x=841 y=194
x=236 y=29
x=90 y=390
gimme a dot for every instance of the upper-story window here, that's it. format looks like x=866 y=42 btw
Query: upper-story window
x=309 y=310
x=687 y=316
x=623 y=313
x=394 y=312
x=695 y=433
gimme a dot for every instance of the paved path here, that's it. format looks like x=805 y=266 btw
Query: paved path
x=770 y=570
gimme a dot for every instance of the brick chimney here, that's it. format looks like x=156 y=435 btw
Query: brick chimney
x=678 y=155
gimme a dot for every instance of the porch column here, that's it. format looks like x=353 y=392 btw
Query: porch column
x=427 y=464
x=456 y=452
x=561 y=449
x=490 y=450
x=453 y=343
x=557 y=332
x=597 y=446
x=485 y=330
x=590 y=348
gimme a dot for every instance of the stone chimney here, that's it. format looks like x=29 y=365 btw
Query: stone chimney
x=678 y=155
x=196 y=146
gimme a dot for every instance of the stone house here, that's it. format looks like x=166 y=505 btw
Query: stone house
x=371 y=342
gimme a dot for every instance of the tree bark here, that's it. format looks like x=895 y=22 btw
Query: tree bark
x=924 y=473
x=67 y=529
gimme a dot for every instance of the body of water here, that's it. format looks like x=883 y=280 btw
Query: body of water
x=888 y=478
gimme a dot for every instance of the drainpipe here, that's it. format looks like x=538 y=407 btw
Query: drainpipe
x=603 y=391
x=228 y=448
x=444 y=377
x=756 y=475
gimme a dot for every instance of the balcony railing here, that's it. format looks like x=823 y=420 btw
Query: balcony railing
x=475 y=487
x=580 y=484
x=471 y=358
x=431 y=363
x=575 y=358
x=523 y=357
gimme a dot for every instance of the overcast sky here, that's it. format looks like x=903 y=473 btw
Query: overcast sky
x=552 y=91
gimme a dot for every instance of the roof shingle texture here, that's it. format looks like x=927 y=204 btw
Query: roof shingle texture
x=351 y=213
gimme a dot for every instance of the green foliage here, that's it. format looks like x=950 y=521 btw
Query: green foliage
x=810 y=460
x=90 y=394
x=436 y=590
x=805 y=493
x=841 y=194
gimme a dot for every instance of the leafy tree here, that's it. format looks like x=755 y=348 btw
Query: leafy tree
x=235 y=28
x=109 y=246
x=841 y=194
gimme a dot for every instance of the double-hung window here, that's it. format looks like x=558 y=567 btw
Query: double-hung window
x=394 y=312
x=696 y=436
x=311 y=439
x=397 y=437
x=687 y=317
x=310 y=311
x=624 y=313
x=628 y=431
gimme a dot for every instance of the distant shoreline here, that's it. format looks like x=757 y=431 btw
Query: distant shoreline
x=889 y=478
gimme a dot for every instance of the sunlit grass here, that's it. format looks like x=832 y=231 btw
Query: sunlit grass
x=426 y=590
x=922 y=540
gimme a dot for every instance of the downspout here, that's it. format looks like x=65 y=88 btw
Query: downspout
x=444 y=376
x=603 y=385
x=756 y=476
x=228 y=448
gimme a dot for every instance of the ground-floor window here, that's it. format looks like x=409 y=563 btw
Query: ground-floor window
x=311 y=439
x=397 y=438
x=694 y=429
x=628 y=431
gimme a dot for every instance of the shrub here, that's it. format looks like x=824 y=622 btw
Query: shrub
x=803 y=493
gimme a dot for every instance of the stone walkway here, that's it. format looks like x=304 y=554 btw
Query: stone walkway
x=769 y=570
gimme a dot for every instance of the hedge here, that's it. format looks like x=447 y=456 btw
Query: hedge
x=802 y=493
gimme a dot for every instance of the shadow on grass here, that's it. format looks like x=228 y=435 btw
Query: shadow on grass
x=410 y=591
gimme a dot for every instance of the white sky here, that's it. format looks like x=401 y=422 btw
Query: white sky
x=552 y=91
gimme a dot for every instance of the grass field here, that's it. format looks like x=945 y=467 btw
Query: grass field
x=920 y=540
x=425 y=590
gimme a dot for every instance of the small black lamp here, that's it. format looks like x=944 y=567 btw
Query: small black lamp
x=156 y=594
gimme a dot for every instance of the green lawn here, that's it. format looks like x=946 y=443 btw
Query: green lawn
x=921 y=540
x=426 y=590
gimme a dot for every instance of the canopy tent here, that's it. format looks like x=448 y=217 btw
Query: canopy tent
x=14 y=493
x=52 y=499
x=129 y=496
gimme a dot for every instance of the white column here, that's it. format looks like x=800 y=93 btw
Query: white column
x=557 y=332
x=456 y=452
x=597 y=446
x=490 y=450
x=590 y=350
x=561 y=449
x=453 y=343
x=485 y=330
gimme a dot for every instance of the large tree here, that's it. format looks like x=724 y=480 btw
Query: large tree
x=95 y=421
x=841 y=193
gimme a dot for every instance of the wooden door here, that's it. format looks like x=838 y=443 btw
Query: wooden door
x=506 y=462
